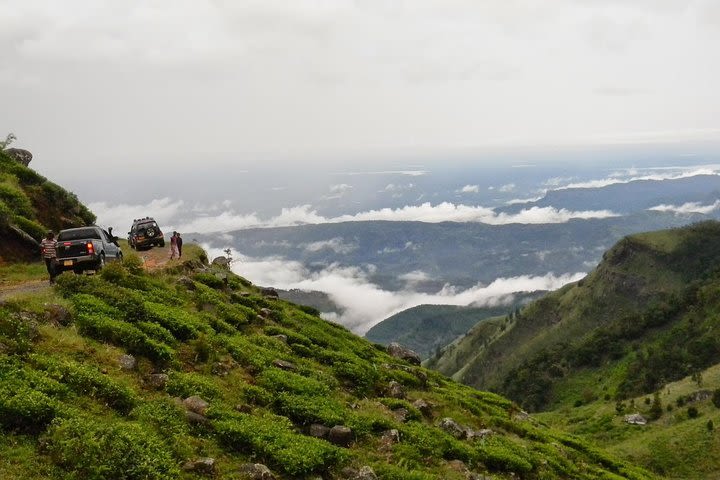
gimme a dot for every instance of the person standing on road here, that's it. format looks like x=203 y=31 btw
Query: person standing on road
x=48 y=249
x=173 y=246
x=178 y=241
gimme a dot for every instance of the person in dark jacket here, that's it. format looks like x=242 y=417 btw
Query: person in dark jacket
x=48 y=249
x=178 y=241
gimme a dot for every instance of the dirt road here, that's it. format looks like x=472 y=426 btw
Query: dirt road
x=32 y=286
x=153 y=259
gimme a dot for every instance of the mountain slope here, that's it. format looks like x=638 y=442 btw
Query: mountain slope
x=647 y=315
x=73 y=402
x=427 y=328
x=30 y=205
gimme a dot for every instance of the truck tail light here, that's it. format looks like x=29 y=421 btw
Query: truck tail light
x=90 y=248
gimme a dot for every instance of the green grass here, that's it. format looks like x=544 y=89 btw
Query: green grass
x=15 y=273
x=67 y=409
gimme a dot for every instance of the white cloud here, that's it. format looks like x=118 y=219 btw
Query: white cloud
x=507 y=188
x=632 y=176
x=120 y=216
x=449 y=212
x=469 y=189
x=414 y=278
x=172 y=216
x=336 y=244
x=364 y=303
x=407 y=246
x=410 y=173
x=690 y=207
x=340 y=188
x=517 y=201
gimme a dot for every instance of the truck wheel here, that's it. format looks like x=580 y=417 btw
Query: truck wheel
x=100 y=263
x=162 y=242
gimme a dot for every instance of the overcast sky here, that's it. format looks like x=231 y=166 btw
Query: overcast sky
x=281 y=80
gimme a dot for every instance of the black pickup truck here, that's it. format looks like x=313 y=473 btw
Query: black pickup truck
x=86 y=248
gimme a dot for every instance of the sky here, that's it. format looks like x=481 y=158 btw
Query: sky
x=207 y=85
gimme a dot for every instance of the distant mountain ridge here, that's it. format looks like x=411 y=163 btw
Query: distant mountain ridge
x=427 y=328
x=645 y=316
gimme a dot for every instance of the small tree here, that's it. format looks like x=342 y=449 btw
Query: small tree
x=692 y=412
x=716 y=397
x=8 y=141
x=656 y=409
x=710 y=425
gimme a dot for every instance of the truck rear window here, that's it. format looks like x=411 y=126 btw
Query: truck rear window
x=78 y=234
x=147 y=225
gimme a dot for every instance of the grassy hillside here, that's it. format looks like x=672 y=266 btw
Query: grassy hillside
x=30 y=205
x=649 y=314
x=427 y=328
x=682 y=443
x=73 y=404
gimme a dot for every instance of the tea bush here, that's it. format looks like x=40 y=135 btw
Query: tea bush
x=500 y=454
x=126 y=335
x=434 y=443
x=248 y=354
x=292 y=336
x=15 y=198
x=24 y=408
x=181 y=323
x=271 y=438
x=392 y=472
x=188 y=384
x=210 y=280
x=305 y=410
x=16 y=333
x=361 y=378
x=276 y=380
x=157 y=332
x=396 y=403
x=31 y=227
x=85 y=380
x=97 y=450
x=257 y=395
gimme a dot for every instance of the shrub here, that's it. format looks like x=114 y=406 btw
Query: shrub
x=181 y=323
x=434 y=443
x=32 y=228
x=16 y=333
x=272 y=438
x=692 y=412
x=133 y=263
x=16 y=199
x=293 y=337
x=210 y=280
x=248 y=354
x=96 y=451
x=164 y=414
x=276 y=380
x=308 y=409
x=85 y=380
x=153 y=330
x=26 y=409
x=114 y=272
x=257 y=395
x=716 y=397
x=125 y=334
x=500 y=454
x=392 y=472
x=188 y=384
x=396 y=403
x=362 y=378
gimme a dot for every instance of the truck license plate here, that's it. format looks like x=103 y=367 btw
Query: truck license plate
x=67 y=263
